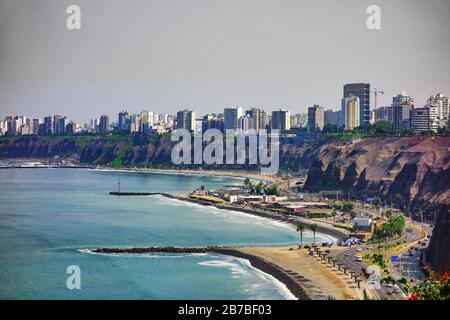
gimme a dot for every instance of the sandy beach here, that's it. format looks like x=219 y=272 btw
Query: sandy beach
x=316 y=278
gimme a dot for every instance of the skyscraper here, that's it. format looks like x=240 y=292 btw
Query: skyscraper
x=350 y=112
x=362 y=91
x=103 y=126
x=402 y=104
x=419 y=120
x=281 y=120
x=439 y=115
x=48 y=125
x=125 y=121
x=231 y=116
x=259 y=117
x=331 y=117
x=186 y=120
x=315 y=118
x=59 y=124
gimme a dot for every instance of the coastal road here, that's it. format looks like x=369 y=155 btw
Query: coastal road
x=348 y=258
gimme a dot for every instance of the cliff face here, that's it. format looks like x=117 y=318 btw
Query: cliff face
x=438 y=252
x=414 y=172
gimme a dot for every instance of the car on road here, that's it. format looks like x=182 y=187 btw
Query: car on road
x=347 y=254
x=359 y=258
x=358 y=249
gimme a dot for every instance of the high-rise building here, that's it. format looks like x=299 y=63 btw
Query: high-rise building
x=362 y=91
x=186 y=120
x=331 y=117
x=419 y=120
x=299 y=120
x=48 y=126
x=36 y=123
x=71 y=128
x=315 y=118
x=125 y=121
x=281 y=120
x=246 y=123
x=381 y=114
x=211 y=121
x=439 y=111
x=402 y=104
x=350 y=112
x=103 y=126
x=259 y=117
x=231 y=116
x=59 y=124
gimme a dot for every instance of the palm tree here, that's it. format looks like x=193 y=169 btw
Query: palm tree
x=333 y=214
x=314 y=228
x=300 y=228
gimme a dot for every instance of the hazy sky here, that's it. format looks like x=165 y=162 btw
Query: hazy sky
x=209 y=54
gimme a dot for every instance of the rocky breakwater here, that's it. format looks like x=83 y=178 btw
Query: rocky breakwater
x=143 y=250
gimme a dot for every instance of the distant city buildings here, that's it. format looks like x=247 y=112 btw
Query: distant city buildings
x=350 y=112
x=331 y=117
x=420 y=120
x=315 y=118
x=281 y=120
x=231 y=118
x=362 y=91
x=186 y=120
x=402 y=104
x=433 y=117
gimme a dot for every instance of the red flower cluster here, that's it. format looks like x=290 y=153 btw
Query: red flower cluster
x=414 y=296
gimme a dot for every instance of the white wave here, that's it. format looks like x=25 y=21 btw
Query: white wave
x=244 y=218
x=241 y=267
x=212 y=176
x=146 y=255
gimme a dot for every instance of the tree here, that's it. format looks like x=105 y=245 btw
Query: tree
x=300 y=228
x=347 y=207
x=377 y=203
x=333 y=214
x=382 y=127
x=314 y=228
x=330 y=128
x=353 y=214
x=246 y=182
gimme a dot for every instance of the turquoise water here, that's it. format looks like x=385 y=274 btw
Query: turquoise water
x=48 y=216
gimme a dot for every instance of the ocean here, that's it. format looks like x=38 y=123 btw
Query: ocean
x=51 y=218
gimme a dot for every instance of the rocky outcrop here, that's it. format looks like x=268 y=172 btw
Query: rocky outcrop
x=411 y=172
x=438 y=252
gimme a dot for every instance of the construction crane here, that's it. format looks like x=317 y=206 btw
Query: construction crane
x=376 y=93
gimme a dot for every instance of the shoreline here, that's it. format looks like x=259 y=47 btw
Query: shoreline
x=323 y=229
x=270 y=268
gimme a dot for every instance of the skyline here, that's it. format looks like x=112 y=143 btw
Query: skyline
x=171 y=56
